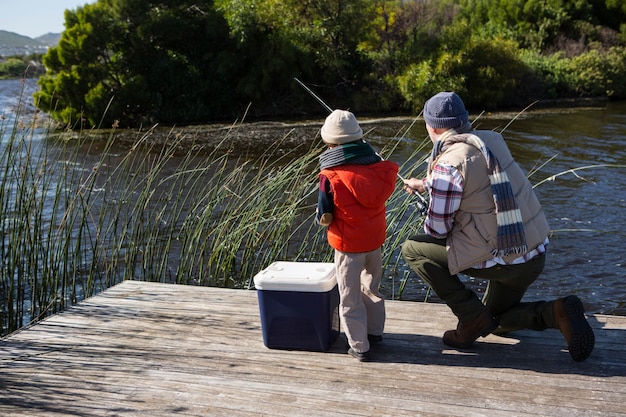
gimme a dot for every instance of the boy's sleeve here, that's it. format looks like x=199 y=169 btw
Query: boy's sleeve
x=325 y=205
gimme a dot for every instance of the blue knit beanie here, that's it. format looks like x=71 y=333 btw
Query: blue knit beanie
x=445 y=110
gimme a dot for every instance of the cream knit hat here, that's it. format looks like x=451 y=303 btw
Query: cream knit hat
x=341 y=127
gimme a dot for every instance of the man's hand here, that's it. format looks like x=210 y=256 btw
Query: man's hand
x=414 y=185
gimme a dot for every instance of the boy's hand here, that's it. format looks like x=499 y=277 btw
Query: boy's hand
x=326 y=219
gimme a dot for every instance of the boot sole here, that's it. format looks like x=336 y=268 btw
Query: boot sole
x=583 y=339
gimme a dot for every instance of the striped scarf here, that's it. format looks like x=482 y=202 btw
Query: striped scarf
x=511 y=236
x=358 y=152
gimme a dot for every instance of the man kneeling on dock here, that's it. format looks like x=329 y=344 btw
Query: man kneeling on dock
x=485 y=221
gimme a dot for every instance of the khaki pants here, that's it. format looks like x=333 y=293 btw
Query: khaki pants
x=362 y=306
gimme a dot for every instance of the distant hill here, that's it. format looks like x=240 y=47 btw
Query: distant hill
x=14 y=39
x=49 y=39
x=13 y=44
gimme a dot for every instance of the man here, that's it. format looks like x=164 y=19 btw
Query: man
x=485 y=221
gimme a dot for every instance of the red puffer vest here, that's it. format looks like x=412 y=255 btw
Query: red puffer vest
x=359 y=195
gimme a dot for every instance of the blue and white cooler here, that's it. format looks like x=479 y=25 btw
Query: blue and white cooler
x=299 y=305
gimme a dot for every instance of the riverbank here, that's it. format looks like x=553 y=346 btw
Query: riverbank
x=254 y=135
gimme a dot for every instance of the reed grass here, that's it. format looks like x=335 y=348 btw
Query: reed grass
x=79 y=216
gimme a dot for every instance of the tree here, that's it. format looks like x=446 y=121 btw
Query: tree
x=133 y=62
x=318 y=41
x=82 y=70
x=130 y=62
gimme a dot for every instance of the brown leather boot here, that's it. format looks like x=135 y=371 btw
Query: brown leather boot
x=468 y=331
x=569 y=315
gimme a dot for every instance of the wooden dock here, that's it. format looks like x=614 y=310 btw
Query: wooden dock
x=147 y=349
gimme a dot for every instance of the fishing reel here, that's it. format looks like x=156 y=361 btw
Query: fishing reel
x=421 y=205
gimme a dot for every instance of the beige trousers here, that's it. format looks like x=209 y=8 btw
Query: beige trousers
x=361 y=306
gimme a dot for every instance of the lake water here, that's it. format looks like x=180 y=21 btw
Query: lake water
x=586 y=208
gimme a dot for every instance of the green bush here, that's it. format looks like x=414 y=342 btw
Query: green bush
x=422 y=80
x=592 y=74
x=129 y=64
x=485 y=73
x=553 y=71
x=599 y=73
x=12 y=68
x=492 y=68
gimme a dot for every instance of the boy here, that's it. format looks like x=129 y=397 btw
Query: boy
x=355 y=183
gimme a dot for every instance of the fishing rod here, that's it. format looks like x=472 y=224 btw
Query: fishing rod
x=315 y=96
x=422 y=204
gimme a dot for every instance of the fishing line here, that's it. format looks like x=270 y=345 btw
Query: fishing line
x=421 y=204
x=315 y=96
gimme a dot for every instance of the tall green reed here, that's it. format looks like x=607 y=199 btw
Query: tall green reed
x=79 y=215
x=39 y=256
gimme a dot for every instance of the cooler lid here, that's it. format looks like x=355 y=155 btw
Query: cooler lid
x=297 y=276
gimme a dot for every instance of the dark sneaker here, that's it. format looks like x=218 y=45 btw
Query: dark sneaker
x=362 y=356
x=375 y=338
x=569 y=315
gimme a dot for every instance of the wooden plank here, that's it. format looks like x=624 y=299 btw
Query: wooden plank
x=157 y=349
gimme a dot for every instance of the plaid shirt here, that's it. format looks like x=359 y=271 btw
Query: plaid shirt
x=445 y=187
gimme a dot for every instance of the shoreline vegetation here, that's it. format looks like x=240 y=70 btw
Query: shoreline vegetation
x=298 y=130
x=238 y=59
